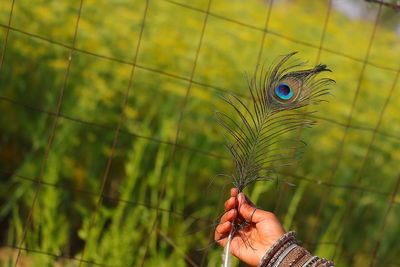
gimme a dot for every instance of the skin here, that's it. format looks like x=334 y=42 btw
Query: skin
x=250 y=243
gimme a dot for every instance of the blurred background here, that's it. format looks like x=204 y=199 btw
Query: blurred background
x=108 y=141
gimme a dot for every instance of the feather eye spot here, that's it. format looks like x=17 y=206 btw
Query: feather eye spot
x=284 y=92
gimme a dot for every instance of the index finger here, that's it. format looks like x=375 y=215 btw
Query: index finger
x=230 y=203
x=234 y=192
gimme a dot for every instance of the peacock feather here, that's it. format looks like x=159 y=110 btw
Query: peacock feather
x=258 y=140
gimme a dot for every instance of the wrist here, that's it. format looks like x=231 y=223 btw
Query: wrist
x=286 y=252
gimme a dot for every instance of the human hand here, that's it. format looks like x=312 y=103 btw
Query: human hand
x=249 y=244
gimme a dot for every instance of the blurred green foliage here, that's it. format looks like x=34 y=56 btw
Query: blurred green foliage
x=146 y=165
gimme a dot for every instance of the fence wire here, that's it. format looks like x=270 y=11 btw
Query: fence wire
x=265 y=31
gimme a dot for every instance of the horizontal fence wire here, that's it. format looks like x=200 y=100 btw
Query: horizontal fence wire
x=103 y=195
x=392 y=4
x=282 y=36
x=195 y=150
x=55 y=256
x=181 y=214
x=176 y=145
x=178 y=77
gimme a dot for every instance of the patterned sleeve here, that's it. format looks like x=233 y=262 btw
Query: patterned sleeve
x=287 y=253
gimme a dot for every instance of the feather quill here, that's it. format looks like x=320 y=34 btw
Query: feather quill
x=257 y=140
x=226 y=256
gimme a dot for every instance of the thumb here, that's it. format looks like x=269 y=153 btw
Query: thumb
x=249 y=212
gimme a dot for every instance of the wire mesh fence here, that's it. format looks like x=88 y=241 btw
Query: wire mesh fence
x=161 y=213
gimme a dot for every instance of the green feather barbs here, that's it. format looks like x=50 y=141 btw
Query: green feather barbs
x=257 y=138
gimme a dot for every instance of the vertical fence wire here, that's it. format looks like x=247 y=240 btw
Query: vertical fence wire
x=28 y=220
x=4 y=48
x=117 y=131
x=363 y=162
x=349 y=120
x=300 y=130
x=165 y=175
x=382 y=228
x=258 y=63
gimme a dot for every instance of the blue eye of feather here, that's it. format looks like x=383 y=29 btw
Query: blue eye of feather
x=283 y=91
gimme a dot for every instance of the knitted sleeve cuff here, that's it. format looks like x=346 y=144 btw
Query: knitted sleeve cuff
x=286 y=253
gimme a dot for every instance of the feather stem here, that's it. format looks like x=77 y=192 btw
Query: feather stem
x=227 y=251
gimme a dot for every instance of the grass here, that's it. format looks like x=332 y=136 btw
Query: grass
x=121 y=233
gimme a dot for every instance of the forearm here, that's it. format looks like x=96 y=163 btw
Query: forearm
x=285 y=252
